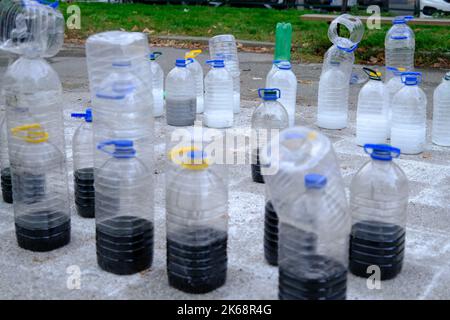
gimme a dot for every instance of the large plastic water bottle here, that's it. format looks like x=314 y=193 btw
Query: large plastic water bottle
x=392 y=87
x=197 y=72
x=307 y=192
x=197 y=225
x=268 y=119
x=181 y=98
x=4 y=162
x=218 y=96
x=372 y=112
x=123 y=214
x=158 y=85
x=83 y=165
x=409 y=119
x=285 y=80
x=379 y=203
x=400 y=45
x=441 y=113
x=39 y=179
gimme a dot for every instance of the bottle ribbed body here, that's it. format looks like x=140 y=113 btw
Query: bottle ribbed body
x=197 y=72
x=4 y=162
x=157 y=89
x=399 y=48
x=181 y=100
x=392 y=87
x=218 y=99
x=286 y=81
x=441 y=114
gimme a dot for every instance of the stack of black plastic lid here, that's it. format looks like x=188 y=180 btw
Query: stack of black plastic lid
x=256 y=170
x=43 y=230
x=271 y=235
x=6 y=185
x=374 y=243
x=316 y=278
x=124 y=244
x=197 y=268
x=85 y=192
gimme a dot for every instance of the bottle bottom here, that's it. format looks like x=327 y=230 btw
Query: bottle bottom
x=124 y=244
x=332 y=121
x=84 y=192
x=256 y=170
x=270 y=235
x=316 y=278
x=197 y=268
x=410 y=140
x=181 y=113
x=378 y=244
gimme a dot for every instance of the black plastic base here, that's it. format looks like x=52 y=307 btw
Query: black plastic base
x=325 y=279
x=201 y=268
x=376 y=243
x=84 y=192
x=270 y=235
x=6 y=185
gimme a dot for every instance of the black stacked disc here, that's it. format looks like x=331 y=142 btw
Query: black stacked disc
x=84 y=192
x=271 y=235
x=6 y=185
x=197 y=268
x=256 y=170
x=43 y=230
x=124 y=244
x=315 y=277
x=376 y=243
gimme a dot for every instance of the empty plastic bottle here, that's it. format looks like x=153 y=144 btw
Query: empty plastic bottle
x=158 y=85
x=354 y=26
x=379 y=203
x=285 y=80
x=181 y=98
x=267 y=120
x=409 y=119
x=197 y=72
x=400 y=45
x=441 y=113
x=392 y=87
x=372 y=112
x=4 y=162
x=197 y=225
x=334 y=86
x=218 y=96
x=83 y=165
x=39 y=179
x=124 y=214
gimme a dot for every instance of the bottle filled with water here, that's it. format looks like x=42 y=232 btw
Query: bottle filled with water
x=441 y=113
x=379 y=203
x=197 y=72
x=372 y=112
x=218 y=96
x=393 y=85
x=409 y=119
x=83 y=165
x=4 y=162
x=158 y=85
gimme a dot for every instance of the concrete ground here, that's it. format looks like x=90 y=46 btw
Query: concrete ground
x=426 y=272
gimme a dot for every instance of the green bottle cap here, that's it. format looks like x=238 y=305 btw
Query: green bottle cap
x=283 y=38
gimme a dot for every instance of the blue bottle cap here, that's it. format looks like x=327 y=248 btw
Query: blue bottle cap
x=182 y=63
x=315 y=181
x=154 y=55
x=383 y=152
x=402 y=19
x=269 y=94
x=411 y=78
x=284 y=65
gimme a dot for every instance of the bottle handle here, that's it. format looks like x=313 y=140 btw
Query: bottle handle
x=370 y=148
x=373 y=74
x=192 y=54
x=417 y=74
x=33 y=133
x=261 y=90
x=157 y=54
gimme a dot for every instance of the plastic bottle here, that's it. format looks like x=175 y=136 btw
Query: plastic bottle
x=372 y=112
x=197 y=224
x=180 y=95
x=267 y=119
x=197 y=71
x=39 y=179
x=379 y=203
x=218 y=96
x=400 y=45
x=270 y=231
x=83 y=165
x=4 y=162
x=283 y=39
x=441 y=113
x=272 y=70
x=158 y=85
x=285 y=80
x=392 y=87
x=124 y=219
x=353 y=24
x=408 y=127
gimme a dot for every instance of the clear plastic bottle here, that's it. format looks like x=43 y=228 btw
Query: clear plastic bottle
x=83 y=165
x=441 y=113
x=285 y=80
x=267 y=120
x=197 y=225
x=4 y=162
x=158 y=85
x=379 y=203
x=197 y=71
x=39 y=179
x=400 y=45
x=392 y=87
x=409 y=119
x=270 y=231
x=272 y=70
x=354 y=26
x=218 y=96
x=123 y=213
x=372 y=112
x=180 y=96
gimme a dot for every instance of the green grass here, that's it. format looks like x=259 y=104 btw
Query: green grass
x=309 y=38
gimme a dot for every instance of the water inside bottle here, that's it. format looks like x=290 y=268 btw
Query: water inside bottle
x=6 y=185
x=84 y=192
x=181 y=112
x=270 y=234
x=256 y=169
